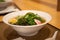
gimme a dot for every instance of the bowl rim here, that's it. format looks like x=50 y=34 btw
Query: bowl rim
x=29 y=25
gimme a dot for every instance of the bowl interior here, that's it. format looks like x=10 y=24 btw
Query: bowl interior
x=44 y=15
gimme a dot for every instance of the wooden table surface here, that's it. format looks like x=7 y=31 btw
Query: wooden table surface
x=31 y=5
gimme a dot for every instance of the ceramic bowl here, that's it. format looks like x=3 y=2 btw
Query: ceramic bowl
x=27 y=30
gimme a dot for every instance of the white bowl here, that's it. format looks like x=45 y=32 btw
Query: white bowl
x=27 y=30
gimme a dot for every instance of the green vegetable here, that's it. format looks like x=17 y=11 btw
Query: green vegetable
x=32 y=16
x=28 y=19
x=21 y=21
x=1 y=0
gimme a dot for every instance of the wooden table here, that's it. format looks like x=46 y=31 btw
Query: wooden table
x=31 y=5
